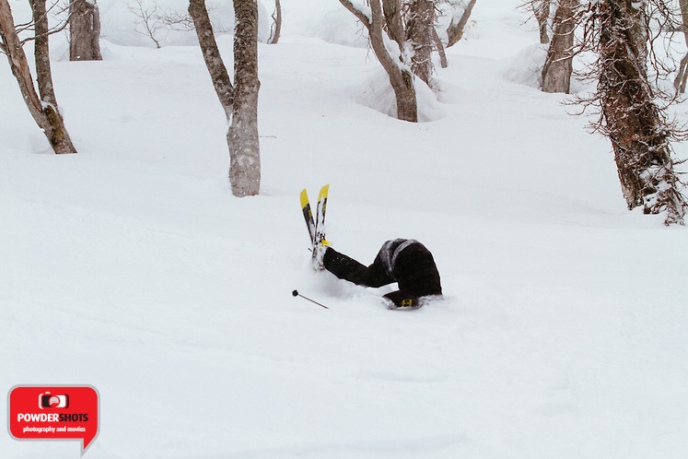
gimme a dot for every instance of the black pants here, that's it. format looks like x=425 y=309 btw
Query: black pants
x=414 y=270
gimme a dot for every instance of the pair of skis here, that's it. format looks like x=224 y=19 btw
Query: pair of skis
x=315 y=224
x=316 y=231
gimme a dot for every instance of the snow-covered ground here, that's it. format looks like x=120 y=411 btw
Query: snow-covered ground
x=131 y=267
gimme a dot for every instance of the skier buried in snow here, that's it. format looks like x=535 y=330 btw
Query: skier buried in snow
x=405 y=261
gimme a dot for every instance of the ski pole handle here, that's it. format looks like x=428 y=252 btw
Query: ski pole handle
x=296 y=293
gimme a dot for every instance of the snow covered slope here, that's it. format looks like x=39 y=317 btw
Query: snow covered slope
x=131 y=267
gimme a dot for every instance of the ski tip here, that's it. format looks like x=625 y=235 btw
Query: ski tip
x=304 y=198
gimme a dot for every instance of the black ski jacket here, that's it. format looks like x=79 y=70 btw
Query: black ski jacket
x=405 y=261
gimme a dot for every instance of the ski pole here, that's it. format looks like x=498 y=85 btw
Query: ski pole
x=296 y=293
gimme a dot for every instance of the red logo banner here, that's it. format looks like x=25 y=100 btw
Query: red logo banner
x=54 y=413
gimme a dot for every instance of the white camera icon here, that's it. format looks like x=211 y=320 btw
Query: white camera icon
x=48 y=400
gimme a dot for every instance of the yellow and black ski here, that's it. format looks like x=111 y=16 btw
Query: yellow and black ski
x=320 y=215
x=315 y=224
x=308 y=215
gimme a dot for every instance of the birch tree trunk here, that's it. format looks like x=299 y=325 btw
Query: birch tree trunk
x=84 y=31
x=244 y=147
x=42 y=52
x=211 y=55
x=455 y=29
x=420 y=29
x=276 y=29
x=440 y=48
x=682 y=75
x=400 y=76
x=43 y=108
x=556 y=73
x=541 y=11
x=239 y=101
x=394 y=20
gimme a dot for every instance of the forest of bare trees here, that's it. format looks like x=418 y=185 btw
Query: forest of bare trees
x=406 y=39
x=632 y=108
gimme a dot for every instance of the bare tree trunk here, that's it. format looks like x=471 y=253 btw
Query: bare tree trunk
x=440 y=49
x=42 y=52
x=638 y=130
x=682 y=75
x=420 y=28
x=211 y=55
x=244 y=148
x=400 y=78
x=84 y=31
x=394 y=20
x=541 y=10
x=239 y=101
x=277 y=24
x=556 y=74
x=455 y=29
x=43 y=109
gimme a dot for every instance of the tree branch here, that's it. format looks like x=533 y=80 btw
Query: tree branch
x=211 y=55
x=358 y=13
